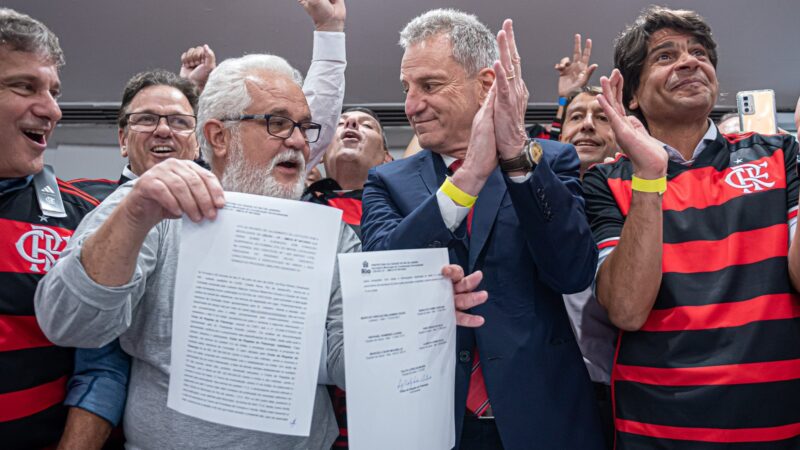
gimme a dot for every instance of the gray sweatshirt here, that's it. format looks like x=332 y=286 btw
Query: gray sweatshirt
x=75 y=311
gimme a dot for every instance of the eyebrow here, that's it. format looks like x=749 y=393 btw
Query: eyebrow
x=151 y=111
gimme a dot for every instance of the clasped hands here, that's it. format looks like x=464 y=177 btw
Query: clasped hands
x=498 y=129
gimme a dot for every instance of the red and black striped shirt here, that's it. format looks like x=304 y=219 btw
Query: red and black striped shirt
x=33 y=372
x=717 y=363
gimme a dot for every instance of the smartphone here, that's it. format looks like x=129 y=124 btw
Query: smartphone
x=757 y=111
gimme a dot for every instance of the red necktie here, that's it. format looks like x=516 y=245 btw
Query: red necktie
x=477 y=397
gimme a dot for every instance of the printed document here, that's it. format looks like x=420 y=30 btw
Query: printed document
x=251 y=299
x=399 y=342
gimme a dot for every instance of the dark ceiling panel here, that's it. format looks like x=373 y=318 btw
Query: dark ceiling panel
x=108 y=41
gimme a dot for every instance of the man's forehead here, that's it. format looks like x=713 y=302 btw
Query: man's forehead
x=272 y=93
x=583 y=101
x=426 y=57
x=160 y=97
x=666 y=37
x=14 y=63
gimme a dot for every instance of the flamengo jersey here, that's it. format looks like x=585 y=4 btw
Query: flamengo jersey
x=717 y=363
x=33 y=372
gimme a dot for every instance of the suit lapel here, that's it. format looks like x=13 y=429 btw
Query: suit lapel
x=432 y=170
x=486 y=209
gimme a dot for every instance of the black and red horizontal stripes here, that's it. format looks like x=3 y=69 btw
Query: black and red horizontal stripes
x=628 y=441
x=716 y=364
x=36 y=431
x=761 y=341
x=745 y=247
x=729 y=284
x=719 y=406
x=745 y=213
x=703 y=187
x=33 y=371
x=20 y=332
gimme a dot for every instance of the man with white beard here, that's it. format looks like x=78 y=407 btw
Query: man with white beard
x=116 y=279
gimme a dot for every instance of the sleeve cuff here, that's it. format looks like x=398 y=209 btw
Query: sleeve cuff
x=104 y=298
x=329 y=45
x=521 y=178
x=452 y=214
x=102 y=397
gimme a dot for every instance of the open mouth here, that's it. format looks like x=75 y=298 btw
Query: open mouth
x=351 y=135
x=162 y=149
x=35 y=135
x=289 y=165
x=686 y=82
x=585 y=143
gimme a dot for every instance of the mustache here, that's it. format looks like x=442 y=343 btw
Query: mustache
x=293 y=156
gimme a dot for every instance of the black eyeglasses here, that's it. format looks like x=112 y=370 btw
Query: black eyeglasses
x=148 y=122
x=283 y=127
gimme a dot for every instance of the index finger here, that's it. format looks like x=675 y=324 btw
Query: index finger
x=454 y=272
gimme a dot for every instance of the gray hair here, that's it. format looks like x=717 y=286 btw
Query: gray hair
x=22 y=33
x=225 y=94
x=474 y=45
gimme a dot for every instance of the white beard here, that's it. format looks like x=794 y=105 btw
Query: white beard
x=240 y=177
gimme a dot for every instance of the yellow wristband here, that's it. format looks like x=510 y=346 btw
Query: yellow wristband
x=658 y=185
x=457 y=195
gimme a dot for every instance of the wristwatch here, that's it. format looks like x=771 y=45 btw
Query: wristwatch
x=527 y=159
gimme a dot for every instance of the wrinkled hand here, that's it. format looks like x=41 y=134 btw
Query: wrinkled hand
x=647 y=155
x=328 y=15
x=573 y=74
x=173 y=188
x=481 y=158
x=464 y=298
x=197 y=63
x=512 y=96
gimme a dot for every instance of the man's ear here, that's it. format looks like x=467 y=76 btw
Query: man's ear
x=634 y=103
x=387 y=157
x=217 y=136
x=123 y=142
x=486 y=78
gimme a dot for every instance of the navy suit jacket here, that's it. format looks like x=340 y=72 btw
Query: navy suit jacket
x=533 y=243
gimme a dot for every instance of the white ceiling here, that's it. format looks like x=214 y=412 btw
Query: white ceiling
x=107 y=41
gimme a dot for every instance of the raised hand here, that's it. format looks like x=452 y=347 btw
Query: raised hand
x=173 y=188
x=481 y=158
x=512 y=96
x=464 y=297
x=328 y=15
x=647 y=154
x=197 y=64
x=573 y=74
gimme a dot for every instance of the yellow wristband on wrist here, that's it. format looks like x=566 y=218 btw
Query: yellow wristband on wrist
x=658 y=185
x=457 y=195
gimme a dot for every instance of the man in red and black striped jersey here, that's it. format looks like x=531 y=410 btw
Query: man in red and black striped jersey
x=359 y=145
x=699 y=262
x=34 y=373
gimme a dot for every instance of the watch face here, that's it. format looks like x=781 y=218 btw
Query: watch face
x=536 y=152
